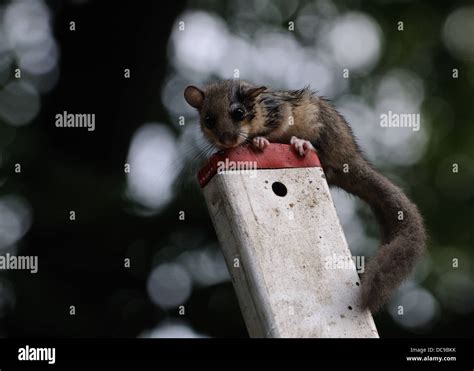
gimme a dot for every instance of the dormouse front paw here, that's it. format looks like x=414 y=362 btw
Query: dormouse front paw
x=301 y=146
x=260 y=142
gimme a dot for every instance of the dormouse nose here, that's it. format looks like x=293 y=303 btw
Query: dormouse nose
x=228 y=139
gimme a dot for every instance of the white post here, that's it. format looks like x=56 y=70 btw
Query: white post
x=286 y=252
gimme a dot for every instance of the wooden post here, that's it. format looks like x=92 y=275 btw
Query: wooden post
x=283 y=244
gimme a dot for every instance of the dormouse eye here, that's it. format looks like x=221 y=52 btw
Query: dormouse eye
x=238 y=114
x=209 y=121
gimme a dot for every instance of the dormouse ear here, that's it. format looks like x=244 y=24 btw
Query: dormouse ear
x=251 y=92
x=194 y=96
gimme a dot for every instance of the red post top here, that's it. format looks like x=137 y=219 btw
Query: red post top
x=247 y=157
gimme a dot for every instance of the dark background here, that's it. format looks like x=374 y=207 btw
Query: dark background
x=81 y=262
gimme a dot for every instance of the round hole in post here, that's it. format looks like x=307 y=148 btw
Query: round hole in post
x=279 y=189
x=349 y=307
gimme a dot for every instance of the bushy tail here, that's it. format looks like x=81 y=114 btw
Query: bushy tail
x=403 y=233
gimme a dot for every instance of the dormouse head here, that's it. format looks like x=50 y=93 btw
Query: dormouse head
x=226 y=110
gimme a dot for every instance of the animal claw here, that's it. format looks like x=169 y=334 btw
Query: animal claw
x=260 y=142
x=301 y=146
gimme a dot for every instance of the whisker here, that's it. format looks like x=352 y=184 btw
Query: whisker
x=195 y=158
